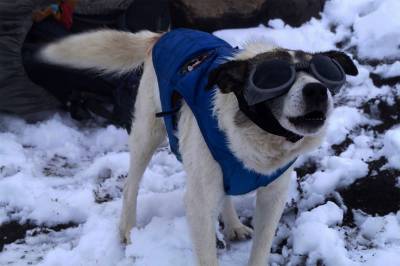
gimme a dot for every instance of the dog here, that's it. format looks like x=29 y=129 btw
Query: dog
x=241 y=101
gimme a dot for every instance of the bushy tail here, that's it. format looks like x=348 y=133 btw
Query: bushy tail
x=107 y=51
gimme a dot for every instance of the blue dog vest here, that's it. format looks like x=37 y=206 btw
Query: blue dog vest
x=170 y=54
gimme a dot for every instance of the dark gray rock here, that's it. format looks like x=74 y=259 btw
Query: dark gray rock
x=96 y=7
x=211 y=15
x=294 y=12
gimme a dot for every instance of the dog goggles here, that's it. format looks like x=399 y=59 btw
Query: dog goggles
x=274 y=77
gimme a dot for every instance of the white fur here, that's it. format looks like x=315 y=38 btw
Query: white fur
x=255 y=47
x=292 y=104
x=93 y=50
x=205 y=199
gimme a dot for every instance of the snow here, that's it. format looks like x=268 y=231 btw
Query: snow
x=392 y=147
x=59 y=171
x=375 y=23
x=318 y=241
x=388 y=71
x=377 y=34
x=343 y=120
x=338 y=172
x=98 y=243
x=170 y=237
x=343 y=12
x=314 y=236
x=283 y=36
x=329 y=214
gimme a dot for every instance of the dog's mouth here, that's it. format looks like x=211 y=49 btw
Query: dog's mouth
x=314 y=119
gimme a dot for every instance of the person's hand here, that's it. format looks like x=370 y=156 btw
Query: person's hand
x=40 y=15
x=37 y=16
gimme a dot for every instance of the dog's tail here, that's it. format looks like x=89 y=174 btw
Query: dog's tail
x=107 y=51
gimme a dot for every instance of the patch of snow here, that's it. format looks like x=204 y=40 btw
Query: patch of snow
x=312 y=36
x=377 y=33
x=329 y=214
x=343 y=12
x=391 y=147
x=342 y=121
x=337 y=172
x=319 y=242
x=388 y=71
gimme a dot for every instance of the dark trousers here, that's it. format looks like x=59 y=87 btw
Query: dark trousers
x=74 y=88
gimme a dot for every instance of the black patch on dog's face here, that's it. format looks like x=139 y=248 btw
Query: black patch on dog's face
x=301 y=56
x=230 y=77
x=276 y=54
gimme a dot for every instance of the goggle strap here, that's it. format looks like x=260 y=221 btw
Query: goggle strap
x=268 y=122
x=304 y=65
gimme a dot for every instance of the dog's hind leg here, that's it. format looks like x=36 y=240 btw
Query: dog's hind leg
x=269 y=207
x=204 y=193
x=233 y=227
x=146 y=135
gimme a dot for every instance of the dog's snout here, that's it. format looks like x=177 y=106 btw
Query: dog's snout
x=315 y=94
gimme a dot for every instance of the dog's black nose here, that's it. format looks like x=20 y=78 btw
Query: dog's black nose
x=315 y=94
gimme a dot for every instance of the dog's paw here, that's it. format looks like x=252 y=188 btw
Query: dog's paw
x=238 y=232
x=125 y=238
x=125 y=235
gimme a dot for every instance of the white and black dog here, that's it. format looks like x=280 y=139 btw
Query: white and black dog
x=271 y=105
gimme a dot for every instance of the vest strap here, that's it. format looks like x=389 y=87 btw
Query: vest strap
x=167 y=113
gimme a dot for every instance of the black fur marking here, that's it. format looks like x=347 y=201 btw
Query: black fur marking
x=276 y=54
x=301 y=56
x=230 y=77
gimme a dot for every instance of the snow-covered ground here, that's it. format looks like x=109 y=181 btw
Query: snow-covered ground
x=60 y=181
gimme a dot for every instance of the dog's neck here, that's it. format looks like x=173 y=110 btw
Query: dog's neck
x=258 y=150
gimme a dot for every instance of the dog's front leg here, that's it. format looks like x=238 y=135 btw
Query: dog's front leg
x=204 y=197
x=269 y=207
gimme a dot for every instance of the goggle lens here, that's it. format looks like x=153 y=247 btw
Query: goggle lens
x=327 y=69
x=272 y=74
x=273 y=78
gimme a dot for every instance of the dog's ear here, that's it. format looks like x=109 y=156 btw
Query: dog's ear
x=230 y=76
x=344 y=60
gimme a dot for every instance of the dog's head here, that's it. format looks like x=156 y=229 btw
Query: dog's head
x=298 y=85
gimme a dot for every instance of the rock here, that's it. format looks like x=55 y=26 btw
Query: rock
x=294 y=12
x=380 y=81
x=375 y=194
x=95 y=7
x=211 y=15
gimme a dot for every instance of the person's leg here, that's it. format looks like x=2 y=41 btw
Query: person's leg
x=70 y=86
x=150 y=15
x=125 y=98
x=47 y=30
x=60 y=81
